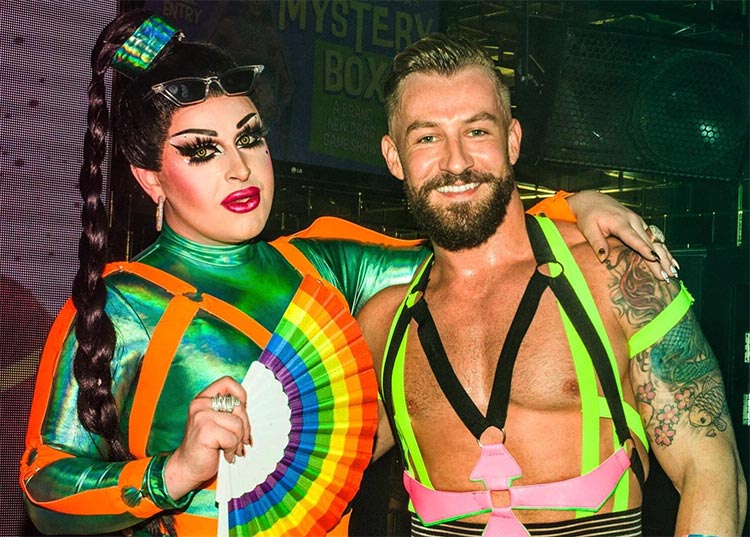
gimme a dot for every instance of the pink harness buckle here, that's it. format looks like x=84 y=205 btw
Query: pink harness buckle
x=497 y=468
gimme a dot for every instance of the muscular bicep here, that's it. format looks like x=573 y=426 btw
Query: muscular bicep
x=375 y=320
x=676 y=379
x=679 y=386
x=384 y=438
x=681 y=399
x=682 y=402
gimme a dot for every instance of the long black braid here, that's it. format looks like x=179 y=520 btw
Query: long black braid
x=141 y=129
x=94 y=331
x=95 y=334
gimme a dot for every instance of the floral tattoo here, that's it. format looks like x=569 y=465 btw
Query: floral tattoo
x=679 y=388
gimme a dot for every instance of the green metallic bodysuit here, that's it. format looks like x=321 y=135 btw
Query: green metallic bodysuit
x=68 y=485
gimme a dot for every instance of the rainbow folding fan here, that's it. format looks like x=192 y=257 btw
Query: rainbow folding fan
x=312 y=404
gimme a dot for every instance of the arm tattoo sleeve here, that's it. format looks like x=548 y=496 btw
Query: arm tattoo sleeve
x=678 y=382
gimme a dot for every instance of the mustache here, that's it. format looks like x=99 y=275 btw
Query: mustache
x=448 y=179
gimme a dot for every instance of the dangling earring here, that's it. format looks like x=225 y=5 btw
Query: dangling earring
x=159 y=213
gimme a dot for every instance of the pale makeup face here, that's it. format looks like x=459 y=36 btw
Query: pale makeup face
x=450 y=125
x=216 y=175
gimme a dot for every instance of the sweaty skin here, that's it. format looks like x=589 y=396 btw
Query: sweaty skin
x=439 y=131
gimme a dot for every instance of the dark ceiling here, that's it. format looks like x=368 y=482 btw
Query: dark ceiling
x=644 y=100
x=724 y=21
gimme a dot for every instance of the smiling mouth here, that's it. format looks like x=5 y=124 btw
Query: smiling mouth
x=457 y=189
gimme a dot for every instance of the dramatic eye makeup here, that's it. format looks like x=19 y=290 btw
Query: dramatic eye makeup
x=251 y=136
x=205 y=146
x=198 y=151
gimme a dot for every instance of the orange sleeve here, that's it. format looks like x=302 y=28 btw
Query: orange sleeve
x=331 y=227
x=555 y=207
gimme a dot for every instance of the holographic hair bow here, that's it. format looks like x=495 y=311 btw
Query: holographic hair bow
x=141 y=48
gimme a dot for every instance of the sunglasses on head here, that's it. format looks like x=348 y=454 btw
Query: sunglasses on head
x=193 y=89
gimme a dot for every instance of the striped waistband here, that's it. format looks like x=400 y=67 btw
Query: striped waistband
x=621 y=524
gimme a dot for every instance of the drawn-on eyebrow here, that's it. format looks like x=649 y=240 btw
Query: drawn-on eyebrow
x=245 y=119
x=204 y=132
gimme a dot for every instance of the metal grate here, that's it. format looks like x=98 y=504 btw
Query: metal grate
x=641 y=103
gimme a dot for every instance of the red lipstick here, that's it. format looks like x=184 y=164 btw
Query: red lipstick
x=242 y=201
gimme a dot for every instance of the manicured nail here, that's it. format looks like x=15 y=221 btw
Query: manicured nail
x=676 y=264
x=656 y=256
x=674 y=271
x=665 y=276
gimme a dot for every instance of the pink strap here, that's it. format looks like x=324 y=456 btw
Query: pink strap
x=496 y=467
x=434 y=506
x=503 y=523
x=588 y=492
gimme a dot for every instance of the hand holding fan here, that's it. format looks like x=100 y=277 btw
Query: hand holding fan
x=312 y=404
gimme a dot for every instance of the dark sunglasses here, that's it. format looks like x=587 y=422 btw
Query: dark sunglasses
x=193 y=90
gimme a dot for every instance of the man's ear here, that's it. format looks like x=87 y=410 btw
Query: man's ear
x=149 y=181
x=514 y=140
x=390 y=154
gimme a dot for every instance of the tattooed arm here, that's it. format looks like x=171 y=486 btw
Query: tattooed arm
x=682 y=402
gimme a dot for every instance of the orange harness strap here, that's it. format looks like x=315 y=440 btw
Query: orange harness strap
x=166 y=337
x=329 y=227
x=156 y=362
x=46 y=372
x=303 y=265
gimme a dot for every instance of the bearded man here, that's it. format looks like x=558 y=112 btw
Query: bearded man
x=523 y=378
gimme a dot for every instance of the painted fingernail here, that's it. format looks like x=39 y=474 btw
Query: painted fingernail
x=676 y=264
x=674 y=271
x=656 y=256
x=665 y=276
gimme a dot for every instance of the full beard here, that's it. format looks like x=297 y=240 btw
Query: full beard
x=461 y=225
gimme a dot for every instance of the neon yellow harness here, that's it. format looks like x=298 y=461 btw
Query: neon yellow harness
x=593 y=406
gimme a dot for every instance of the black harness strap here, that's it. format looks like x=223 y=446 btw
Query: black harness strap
x=454 y=391
x=577 y=313
x=389 y=361
x=500 y=395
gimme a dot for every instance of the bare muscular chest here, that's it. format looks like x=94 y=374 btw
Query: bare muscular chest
x=544 y=377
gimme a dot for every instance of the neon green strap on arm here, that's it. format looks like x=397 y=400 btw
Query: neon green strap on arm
x=662 y=323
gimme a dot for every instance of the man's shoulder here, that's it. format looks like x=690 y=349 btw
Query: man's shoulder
x=376 y=317
x=581 y=249
x=384 y=304
x=577 y=244
x=572 y=236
